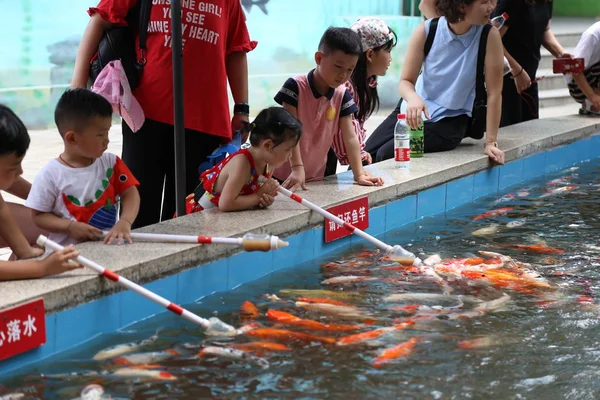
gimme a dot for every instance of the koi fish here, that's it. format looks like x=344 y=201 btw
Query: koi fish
x=260 y=347
x=539 y=249
x=559 y=181
x=145 y=358
x=488 y=230
x=347 y=279
x=246 y=328
x=486 y=341
x=289 y=319
x=401 y=350
x=125 y=348
x=516 y=223
x=505 y=198
x=494 y=213
x=560 y=190
x=343 y=312
x=283 y=334
x=329 y=294
x=233 y=354
x=372 y=335
x=91 y=392
x=523 y=193
x=432 y=260
x=423 y=297
x=13 y=396
x=493 y=304
x=249 y=311
x=322 y=301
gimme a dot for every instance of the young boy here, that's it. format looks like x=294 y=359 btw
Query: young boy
x=322 y=103
x=75 y=196
x=585 y=87
x=14 y=218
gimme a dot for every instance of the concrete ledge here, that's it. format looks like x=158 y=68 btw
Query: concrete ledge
x=146 y=262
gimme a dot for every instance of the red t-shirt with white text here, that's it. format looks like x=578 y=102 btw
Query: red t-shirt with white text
x=211 y=30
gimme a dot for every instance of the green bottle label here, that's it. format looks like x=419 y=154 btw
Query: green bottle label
x=417 y=142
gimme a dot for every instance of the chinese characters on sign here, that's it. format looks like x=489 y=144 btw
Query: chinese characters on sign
x=355 y=212
x=22 y=328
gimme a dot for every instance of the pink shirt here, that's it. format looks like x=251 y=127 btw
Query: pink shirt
x=320 y=122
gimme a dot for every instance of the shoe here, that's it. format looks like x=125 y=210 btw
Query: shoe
x=586 y=109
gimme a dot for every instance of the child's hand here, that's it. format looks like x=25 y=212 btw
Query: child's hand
x=31 y=252
x=369 y=158
x=121 y=232
x=266 y=200
x=365 y=179
x=58 y=261
x=269 y=187
x=82 y=232
x=296 y=179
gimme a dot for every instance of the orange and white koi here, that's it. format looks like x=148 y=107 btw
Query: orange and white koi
x=249 y=311
x=560 y=181
x=404 y=349
x=260 y=347
x=322 y=301
x=430 y=297
x=505 y=198
x=539 y=249
x=373 y=334
x=90 y=392
x=286 y=335
x=145 y=358
x=523 y=193
x=560 y=190
x=347 y=279
x=494 y=213
x=233 y=354
x=343 y=312
x=290 y=319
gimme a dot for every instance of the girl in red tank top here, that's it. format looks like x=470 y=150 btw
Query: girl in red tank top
x=233 y=184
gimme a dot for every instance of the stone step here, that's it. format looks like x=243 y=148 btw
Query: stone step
x=555 y=97
x=569 y=39
x=550 y=81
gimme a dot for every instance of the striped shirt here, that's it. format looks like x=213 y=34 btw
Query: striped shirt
x=338 y=145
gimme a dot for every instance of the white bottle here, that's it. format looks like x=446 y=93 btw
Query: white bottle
x=499 y=21
x=402 y=143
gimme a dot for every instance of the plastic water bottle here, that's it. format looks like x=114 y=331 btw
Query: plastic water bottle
x=499 y=21
x=402 y=143
x=417 y=142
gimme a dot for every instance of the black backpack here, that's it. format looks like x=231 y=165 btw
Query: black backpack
x=119 y=44
x=477 y=123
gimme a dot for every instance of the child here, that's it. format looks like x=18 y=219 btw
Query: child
x=14 y=142
x=377 y=40
x=233 y=185
x=75 y=196
x=323 y=105
x=585 y=87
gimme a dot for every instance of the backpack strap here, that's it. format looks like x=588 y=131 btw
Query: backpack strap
x=144 y=20
x=431 y=35
x=480 y=92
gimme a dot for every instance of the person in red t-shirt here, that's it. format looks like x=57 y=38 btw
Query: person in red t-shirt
x=215 y=43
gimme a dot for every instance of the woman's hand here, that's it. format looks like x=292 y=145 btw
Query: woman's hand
x=522 y=81
x=495 y=154
x=414 y=108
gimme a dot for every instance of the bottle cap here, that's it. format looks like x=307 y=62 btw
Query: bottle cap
x=401 y=116
x=505 y=15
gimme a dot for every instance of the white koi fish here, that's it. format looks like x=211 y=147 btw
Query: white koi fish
x=145 y=358
x=347 y=279
x=233 y=354
x=424 y=297
x=125 y=348
x=493 y=304
x=505 y=198
x=13 y=396
x=516 y=223
x=488 y=230
x=557 y=191
x=523 y=193
x=432 y=260
x=92 y=392
x=343 y=312
x=150 y=374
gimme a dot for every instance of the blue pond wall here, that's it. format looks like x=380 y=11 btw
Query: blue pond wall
x=71 y=327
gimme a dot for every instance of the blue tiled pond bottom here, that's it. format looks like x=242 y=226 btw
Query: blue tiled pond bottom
x=79 y=324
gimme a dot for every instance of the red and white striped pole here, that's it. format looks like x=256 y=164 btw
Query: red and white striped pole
x=396 y=252
x=204 y=323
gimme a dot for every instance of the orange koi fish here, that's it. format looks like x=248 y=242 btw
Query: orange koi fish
x=260 y=348
x=282 y=334
x=314 y=300
x=372 y=335
x=249 y=311
x=539 y=249
x=289 y=319
x=494 y=213
x=401 y=350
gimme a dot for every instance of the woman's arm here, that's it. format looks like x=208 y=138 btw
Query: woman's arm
x=551 y=43
x=493 y=80
x=237 y=74
x=87 y=48
x=413 y=61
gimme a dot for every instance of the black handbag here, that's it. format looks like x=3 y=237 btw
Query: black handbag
x=477 y=122
x=119 y=44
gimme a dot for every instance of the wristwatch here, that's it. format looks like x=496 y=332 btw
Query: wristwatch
x=495 y=144
x=241 y=109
